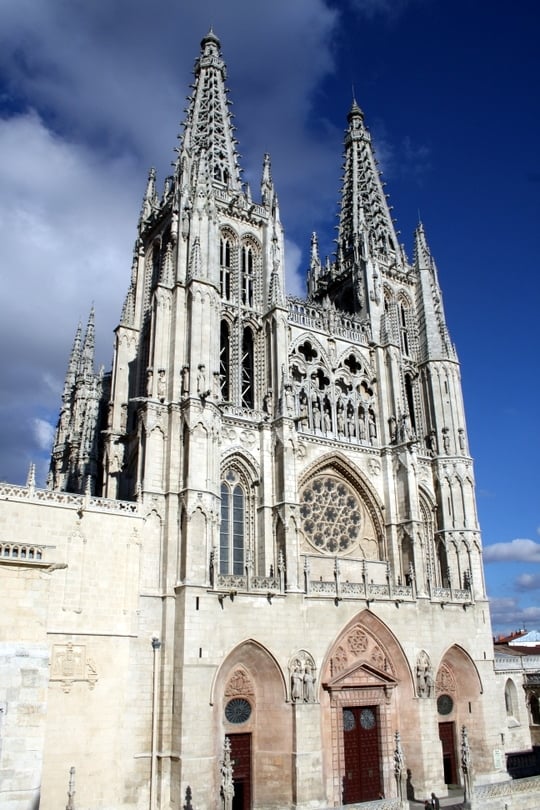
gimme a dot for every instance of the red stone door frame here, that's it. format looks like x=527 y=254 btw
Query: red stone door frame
x=361 y=686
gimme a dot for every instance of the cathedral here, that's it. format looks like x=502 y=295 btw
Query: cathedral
x=255 y=577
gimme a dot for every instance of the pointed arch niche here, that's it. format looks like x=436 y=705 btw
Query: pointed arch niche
x=251 y=675
x=366 y=682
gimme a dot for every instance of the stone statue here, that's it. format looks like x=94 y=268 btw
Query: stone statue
x=399 y=766
x=268 y=404
x=162 y=384
x=185 y=381
x=340 y=419
x=297 y=691
x=149 y=380
x=392 y=428
x=316 y=415
x=424 y=676
x=372 y=427
x=309 y=685
x=202 y=388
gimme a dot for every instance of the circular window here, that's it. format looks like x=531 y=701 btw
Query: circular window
x=238 y=710
x=367 y=719
x=348 y=720
x=331 y=514
x=445 y=704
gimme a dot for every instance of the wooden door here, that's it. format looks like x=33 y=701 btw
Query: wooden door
x=241 y=762
x=448 y=739
x=362 y=778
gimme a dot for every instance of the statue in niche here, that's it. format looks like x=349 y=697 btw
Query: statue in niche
x=351 y=428
x=268 y=404
x=461 y=439
x=149 y=381
x=372 y=427
x=297 y=689
x=317 y=420
x=123 y=417
x=392 y=429
x=216 y=393
x=202 y=388
x=405 y=429
x=309 y=685
x=185 y=381
x=340 y=419
x=289 y=400
x=446 y=441
x=327 y=419
x=303 y=419
x=424 y=676
x=162 y=385
x=431 y=442
x=361 y=425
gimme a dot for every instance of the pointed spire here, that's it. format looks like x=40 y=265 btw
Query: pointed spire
x=31 y=479
x=73 y=364
x=195 y=261
x=167 y=278
x=364 y=218
x=150 y=196
x=422 y=254
x=208 y=129
x=86 y=365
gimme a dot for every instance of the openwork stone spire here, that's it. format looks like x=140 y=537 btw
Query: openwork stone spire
x=208 y=129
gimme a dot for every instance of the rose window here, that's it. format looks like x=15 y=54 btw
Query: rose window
x=331 y=514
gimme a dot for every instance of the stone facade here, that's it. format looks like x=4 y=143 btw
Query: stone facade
x=259 y=563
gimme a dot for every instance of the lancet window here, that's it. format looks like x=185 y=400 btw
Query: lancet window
x=247 y=269
x=225 y=249
x=237 y=521
x=248 y=369
x=225 y=361
x=233 y=526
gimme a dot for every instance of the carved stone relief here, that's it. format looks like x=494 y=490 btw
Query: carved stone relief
x=70 y=664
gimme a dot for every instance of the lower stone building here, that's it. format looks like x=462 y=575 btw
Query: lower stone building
x=255 y=578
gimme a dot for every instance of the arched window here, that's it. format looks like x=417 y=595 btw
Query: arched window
x=403 y=329
x=232 y=533
x=247 y=381
x=247 y=275
x=410 y=400
x=225 y=267
x=534 y=703
x=224 y=361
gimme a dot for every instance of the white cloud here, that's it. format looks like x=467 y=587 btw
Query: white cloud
x=519 y=550
x=44 y=434
x=528 y=582
x=507 y=615
x=67 y=221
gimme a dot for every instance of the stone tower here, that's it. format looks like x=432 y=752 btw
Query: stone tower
x=309 y=551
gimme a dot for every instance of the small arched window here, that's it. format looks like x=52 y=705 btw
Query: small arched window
x=225 y=361
x=232 y=533
x=247 y=381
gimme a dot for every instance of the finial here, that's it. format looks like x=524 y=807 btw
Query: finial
x=31 y=479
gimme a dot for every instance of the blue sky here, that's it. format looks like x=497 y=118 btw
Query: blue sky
x=91 y=96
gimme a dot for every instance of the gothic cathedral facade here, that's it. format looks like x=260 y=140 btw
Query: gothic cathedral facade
x=256 y=573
